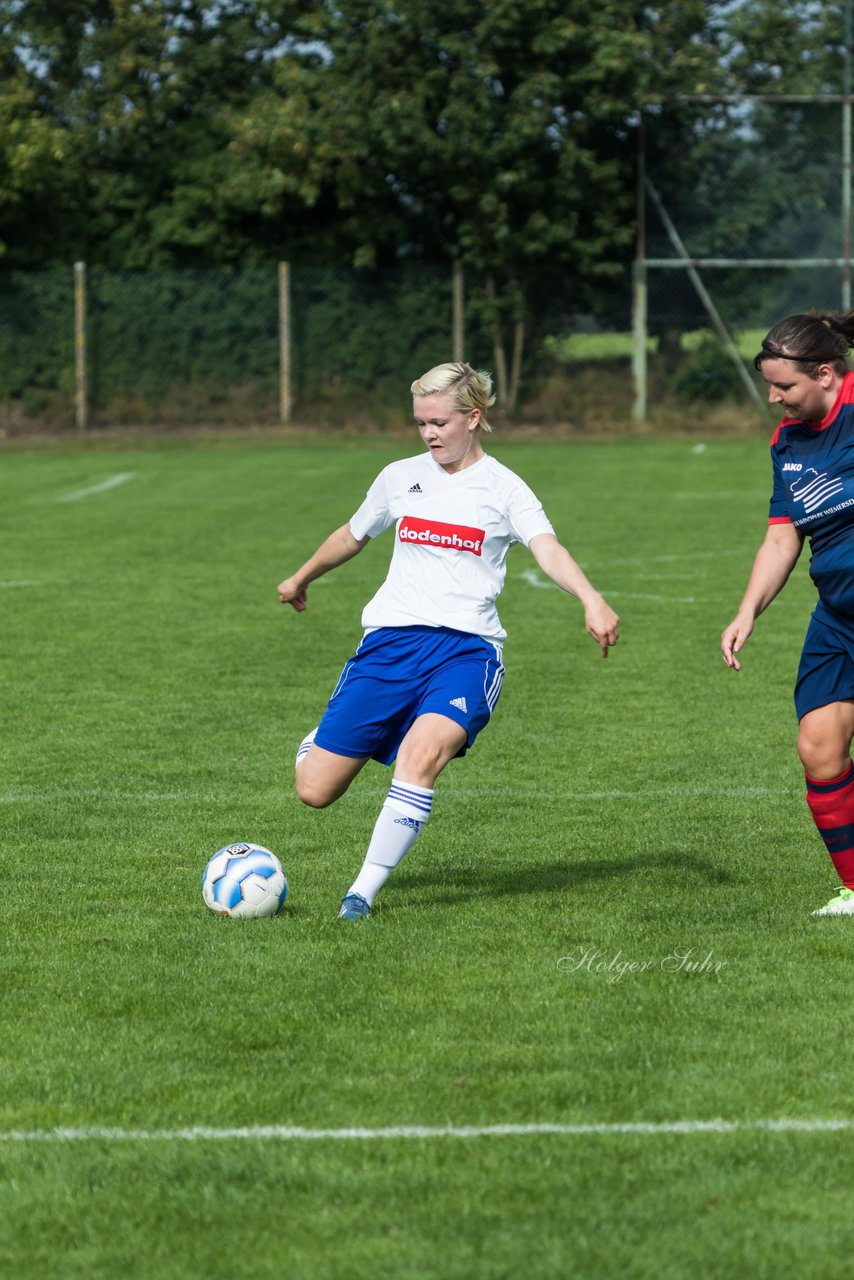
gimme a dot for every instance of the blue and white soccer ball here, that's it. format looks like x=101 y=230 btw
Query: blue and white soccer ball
x=244 y=880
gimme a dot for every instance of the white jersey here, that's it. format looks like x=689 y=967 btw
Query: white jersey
x=452 y=536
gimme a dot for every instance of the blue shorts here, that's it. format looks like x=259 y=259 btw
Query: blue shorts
x=398 y=674
x=826 y=671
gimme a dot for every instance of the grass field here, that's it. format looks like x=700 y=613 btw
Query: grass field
x=608 y=346
x=605 y=927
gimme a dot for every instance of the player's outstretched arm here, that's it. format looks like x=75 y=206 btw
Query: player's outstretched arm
x=775 y=560
x=338 y=548
x=602 y=623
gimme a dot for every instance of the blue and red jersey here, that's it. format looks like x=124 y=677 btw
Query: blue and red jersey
x=814 y=490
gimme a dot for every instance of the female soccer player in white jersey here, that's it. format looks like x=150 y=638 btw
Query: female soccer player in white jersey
x=427 y=674
x=804 y=361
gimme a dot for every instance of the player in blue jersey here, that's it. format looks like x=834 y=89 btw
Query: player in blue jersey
x=804 y=360
x=427 y=674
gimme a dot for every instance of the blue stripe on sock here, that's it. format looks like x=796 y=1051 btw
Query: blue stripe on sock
x=415 y=804
x=836 y=784
x=838 y=839
x=418 y=801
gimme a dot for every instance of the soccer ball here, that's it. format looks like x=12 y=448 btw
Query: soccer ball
x=244 y=880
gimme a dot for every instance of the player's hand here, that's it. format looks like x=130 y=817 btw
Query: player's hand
x=602 y=623
x=733 y=639
x=293 y=593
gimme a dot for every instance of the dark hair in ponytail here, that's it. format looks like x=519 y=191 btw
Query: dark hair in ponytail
x=812 y=339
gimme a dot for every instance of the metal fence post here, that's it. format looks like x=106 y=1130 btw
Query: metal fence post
x=639 y=288
x=639 y=338
x=284 y=343
x=846 y=158
x=459 y=312
x=81 y=398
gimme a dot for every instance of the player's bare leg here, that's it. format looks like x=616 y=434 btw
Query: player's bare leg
x=824 y=739
x=432 y=741
x=824 y=746
x=321 y=776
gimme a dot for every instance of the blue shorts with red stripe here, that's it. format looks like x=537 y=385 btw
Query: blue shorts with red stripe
x=400 y=673
x=826 y=671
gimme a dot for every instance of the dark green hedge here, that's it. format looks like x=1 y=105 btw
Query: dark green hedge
x=175 y=344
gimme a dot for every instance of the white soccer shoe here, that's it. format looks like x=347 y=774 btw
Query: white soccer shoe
x=840 y=905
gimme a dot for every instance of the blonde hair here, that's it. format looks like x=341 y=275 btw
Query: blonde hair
x=472 y=388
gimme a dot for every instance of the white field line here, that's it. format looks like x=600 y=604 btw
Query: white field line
x=711 y=495
x=641 y=792
x=685 y=555
x=101 y=793
x=674 y=793
x=670 y=558
x=112 y=483
x=285 y=1133
x=19 y=582
x=533 y=579
x=643 y=595
x=669 y=576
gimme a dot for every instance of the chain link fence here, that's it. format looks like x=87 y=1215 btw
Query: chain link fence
x=37 y=380
x=208 y=347
x=761 y=230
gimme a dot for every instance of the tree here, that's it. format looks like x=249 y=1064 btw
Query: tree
x=133 y=99
x=33 y=164
x=498 y=134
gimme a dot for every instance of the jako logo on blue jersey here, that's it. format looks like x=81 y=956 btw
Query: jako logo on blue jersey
x=454 y=537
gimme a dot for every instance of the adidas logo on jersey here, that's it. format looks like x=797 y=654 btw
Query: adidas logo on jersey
x=416 y=488
x=459 y=702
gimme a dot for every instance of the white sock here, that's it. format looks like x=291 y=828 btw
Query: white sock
x=398 y=826
x=302 y=749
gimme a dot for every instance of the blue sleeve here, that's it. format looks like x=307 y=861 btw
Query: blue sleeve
x=778 y=511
